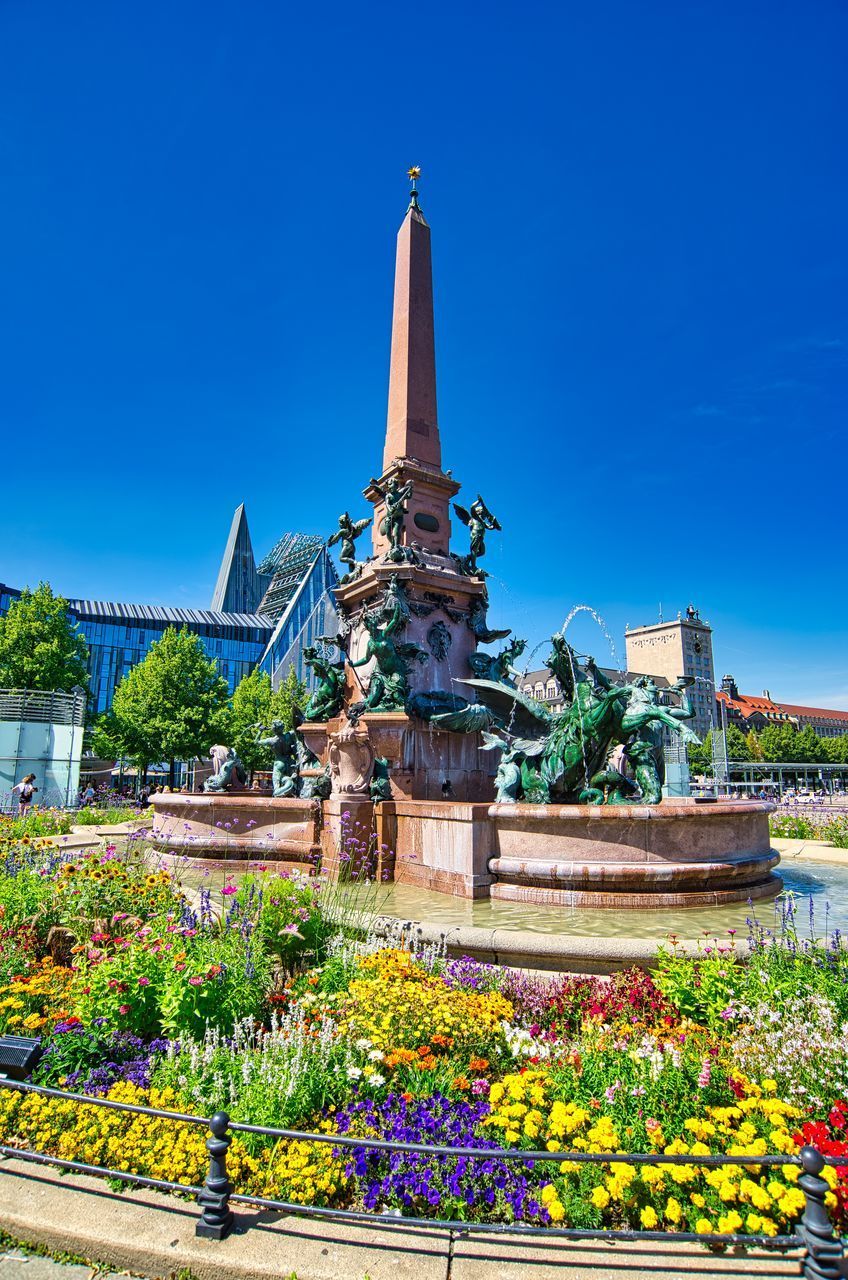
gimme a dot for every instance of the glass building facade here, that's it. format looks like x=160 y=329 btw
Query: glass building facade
x=309 y=615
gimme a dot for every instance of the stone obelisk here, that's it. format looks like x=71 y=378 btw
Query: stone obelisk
x=439 y=595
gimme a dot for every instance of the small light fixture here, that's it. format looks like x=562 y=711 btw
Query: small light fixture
x=19 y=1056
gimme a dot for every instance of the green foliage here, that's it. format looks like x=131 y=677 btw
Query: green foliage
x=284 y=1075
x=755 y=750
x=173 y=981
x=704 y=988
x=810 y=826
x=40 y=648
x=285 y=912
x=250 y=710
x=836 y=749
x=58 y=822
x=778 y=743
x=171 y=706
x=288 y=702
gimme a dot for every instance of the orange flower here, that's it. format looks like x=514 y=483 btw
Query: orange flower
x=461 y=1083
x=424 y=1051
x=478 y=1064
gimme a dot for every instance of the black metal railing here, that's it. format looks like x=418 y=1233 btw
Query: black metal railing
x=823 y=1250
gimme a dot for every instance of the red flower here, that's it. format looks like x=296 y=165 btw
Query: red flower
x=124 y=1008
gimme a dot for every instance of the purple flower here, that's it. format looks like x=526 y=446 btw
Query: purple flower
x=440 y=1186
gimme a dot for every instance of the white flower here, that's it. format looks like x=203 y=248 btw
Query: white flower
x=363 y=1043
x=376 y=1055
x=353 y=1073
x=374 y=1078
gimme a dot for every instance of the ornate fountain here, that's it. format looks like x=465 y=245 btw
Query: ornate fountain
x=418 y=735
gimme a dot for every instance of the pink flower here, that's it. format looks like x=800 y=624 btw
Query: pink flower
x=229 y=889
x=195 y=982
x=144 y=982
x=124 y=1008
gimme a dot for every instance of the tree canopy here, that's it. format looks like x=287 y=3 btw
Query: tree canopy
x=171 y=706
x=40 y=647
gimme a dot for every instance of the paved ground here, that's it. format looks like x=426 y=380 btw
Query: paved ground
x=16 y=1265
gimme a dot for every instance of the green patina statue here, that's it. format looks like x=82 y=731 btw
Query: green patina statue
x=498 y=667
x=479 y=520
x=228 y=771
x=347 y=533
x=388 y=687
x=565 y=756
x=326 y=700
x=380 y=786
x=395 y=497
x=284 y=746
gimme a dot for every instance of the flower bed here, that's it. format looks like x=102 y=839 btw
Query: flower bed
x=254 y=1003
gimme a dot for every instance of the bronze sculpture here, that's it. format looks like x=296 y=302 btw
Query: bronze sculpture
x=563 y=754
x=347 y=533
x=388 y=687
x=479 y=520
x=229 y=774
x=395 y=497
x=326 y=699
x=284 y=745
x=498 y=667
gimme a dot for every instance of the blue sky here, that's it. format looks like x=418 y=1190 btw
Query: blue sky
x=640 y=259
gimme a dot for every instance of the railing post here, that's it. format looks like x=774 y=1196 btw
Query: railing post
x=216 y=1220
x=822 y=1246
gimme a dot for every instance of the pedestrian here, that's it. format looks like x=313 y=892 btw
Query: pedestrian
x=26 y=790
x=89 y=795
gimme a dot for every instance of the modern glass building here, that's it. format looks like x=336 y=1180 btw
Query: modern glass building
x=240 y=631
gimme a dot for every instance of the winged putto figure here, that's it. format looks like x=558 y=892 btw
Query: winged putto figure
x=347 y=533
x=480 y=521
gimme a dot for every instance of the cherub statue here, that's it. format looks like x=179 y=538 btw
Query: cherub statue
x=395 y=496
x=347 y=533
x=479 y=519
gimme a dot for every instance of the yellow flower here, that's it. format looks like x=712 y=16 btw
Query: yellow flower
x=648 y=1217
x=673 y=1210
x=600 y=1197
x=703 y=1226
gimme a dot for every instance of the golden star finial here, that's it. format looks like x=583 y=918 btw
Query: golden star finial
x=414 y=173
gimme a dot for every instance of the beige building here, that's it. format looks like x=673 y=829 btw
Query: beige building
x=682 y=647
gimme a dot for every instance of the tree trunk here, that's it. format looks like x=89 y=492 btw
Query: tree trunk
x=172 y=774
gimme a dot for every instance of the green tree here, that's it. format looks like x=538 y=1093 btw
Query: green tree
x=737 y=744
x=837 y=749
x=172 y=705
x=289 y=700
x=810 y=747
x=754 y=748
x=250 y=708
x=778 y=743
x=40 y=647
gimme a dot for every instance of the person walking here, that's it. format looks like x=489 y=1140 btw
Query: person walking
x=26 y=790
